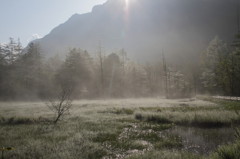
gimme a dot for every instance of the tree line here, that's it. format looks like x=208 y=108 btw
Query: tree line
x=26 y=74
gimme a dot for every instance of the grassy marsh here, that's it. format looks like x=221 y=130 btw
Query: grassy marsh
x=110 y=128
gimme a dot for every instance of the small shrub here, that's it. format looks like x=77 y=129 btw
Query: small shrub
x=62 y=104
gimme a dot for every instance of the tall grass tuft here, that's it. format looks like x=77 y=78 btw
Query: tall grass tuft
x=231 y=151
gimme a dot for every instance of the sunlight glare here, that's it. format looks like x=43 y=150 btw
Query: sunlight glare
x=127 y=2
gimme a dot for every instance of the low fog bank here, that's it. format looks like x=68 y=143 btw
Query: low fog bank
x=28 y=75
x=170 y=49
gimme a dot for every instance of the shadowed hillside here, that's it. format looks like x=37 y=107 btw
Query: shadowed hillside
x=145 y=27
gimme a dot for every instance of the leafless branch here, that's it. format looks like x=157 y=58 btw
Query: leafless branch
x=62 y=104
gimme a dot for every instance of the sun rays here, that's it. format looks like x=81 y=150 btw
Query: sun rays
x=127 y=3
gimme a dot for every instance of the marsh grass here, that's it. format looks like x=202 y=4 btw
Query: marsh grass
x=169 y=142
x=230 y=151
x=203 y=117
x=112 y=142
x=105 y=129
x=156 y=127
x=165 y=155
x=119 y=111
x=158 y=119
x=226 y=104
x=22 y=120
x=193 y=120
x=105 y=137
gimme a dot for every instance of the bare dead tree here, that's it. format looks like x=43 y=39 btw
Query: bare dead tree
x=166 y=75
x=61 y=105
x=101 y=67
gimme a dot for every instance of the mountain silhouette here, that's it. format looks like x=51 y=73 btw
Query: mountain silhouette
x=145 y=27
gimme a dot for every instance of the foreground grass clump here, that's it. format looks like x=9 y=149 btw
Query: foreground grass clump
x=228 y=152
x=231 y=151
x=166 y=155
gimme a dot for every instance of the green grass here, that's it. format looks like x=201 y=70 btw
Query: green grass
x=153 y=119
x=111 y=129
x=169 y=142
x=119 y=111
x=156 y=127
x=22 y=120
x=230 y=151
x=200 y=120
x=211 y=116
x=165 y=155
x=226 y=104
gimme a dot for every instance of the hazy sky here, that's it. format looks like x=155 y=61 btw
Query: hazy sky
x=26 y=19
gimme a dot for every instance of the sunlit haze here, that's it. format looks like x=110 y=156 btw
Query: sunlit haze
x=119 y=79
x=27 y=20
